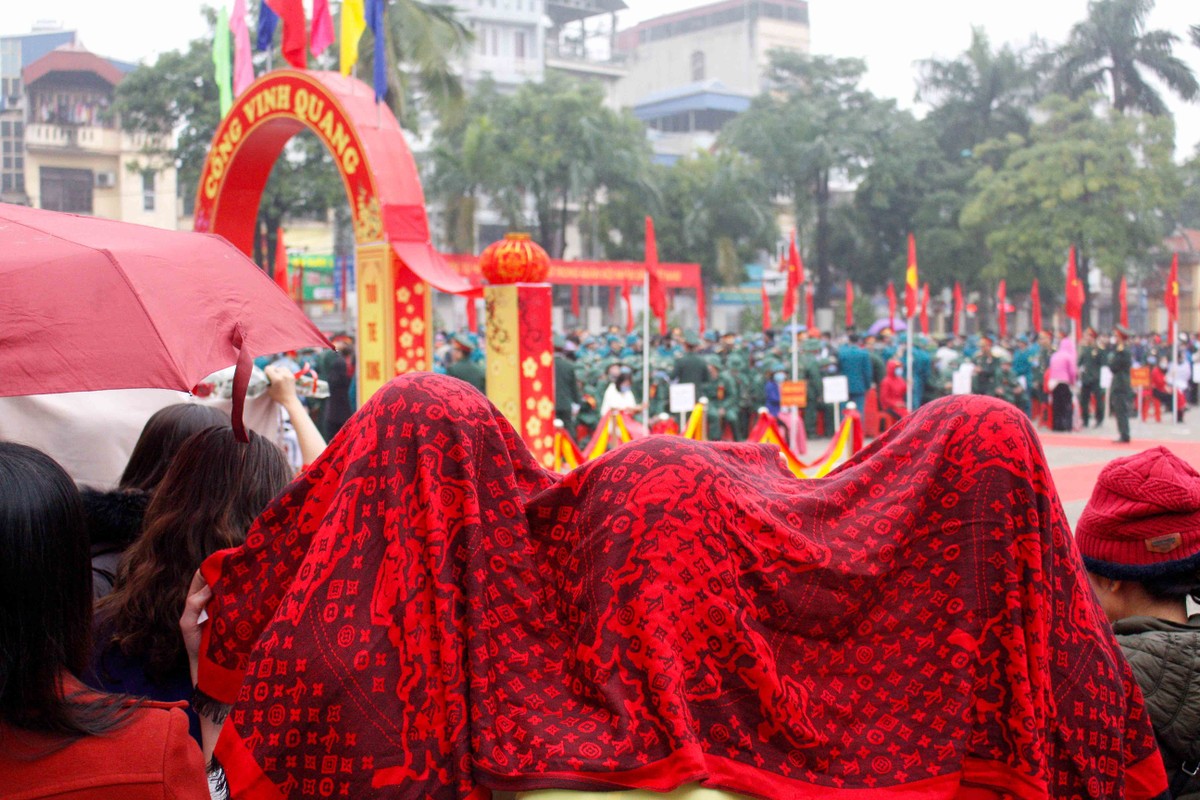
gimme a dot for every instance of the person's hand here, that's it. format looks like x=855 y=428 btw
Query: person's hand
x=198 y=596
x=283 y=385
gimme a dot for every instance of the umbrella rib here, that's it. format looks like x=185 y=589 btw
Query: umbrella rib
x=183 y=379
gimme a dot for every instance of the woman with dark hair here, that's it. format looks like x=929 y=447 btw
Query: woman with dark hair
x=214 y=489
x=114 y=518
x=1140 y=540
x=1060 y=379
x=58 y=738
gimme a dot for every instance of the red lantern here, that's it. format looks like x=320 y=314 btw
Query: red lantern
x=515 y=259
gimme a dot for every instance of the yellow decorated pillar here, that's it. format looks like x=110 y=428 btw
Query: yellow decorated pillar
x=520 y=353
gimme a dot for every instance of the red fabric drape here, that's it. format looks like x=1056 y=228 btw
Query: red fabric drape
x=425 y=613
x=575 y=302
x=472 y=314
x=612 y=300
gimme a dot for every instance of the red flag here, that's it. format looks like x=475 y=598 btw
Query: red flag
x=1171 y=295
x=910 y=279
x=925 y=309
x=891 y=298
x=472 y=314
x=958 y=307
x=625 y=295
x=701 y=311
x=612 y=300
x=766 y=308
x=1124 y=298
x=1035 y=304
x=575 y=301
x=1002 y=308
x=657 y=301
x=281 y=263
x=295 y=31
x=849 y=305
x=795 y=277
x=1075 y=294
x=810 y=319
x=322 y=27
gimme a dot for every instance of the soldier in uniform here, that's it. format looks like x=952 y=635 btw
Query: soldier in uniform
x=1091 y=358
x=566 y=385
x=1121 y=392
x=722 y=402
x=691 y=366
x=987 y=368
x=463 y=366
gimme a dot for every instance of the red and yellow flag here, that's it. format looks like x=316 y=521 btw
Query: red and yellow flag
x=657 y=302
x=911 y=289
x=795 y=277
x=1171 y=292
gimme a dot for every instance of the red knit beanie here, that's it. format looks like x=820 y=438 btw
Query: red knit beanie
x=1143 y=520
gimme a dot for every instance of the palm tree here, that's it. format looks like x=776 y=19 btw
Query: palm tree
x=425 y=42
x=1111 y=49
x=982 y=94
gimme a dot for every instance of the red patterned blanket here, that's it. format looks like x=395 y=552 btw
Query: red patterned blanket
x=426 y=613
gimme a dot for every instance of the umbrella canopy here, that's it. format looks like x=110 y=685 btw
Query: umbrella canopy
x=879 y=324
x=88 y=304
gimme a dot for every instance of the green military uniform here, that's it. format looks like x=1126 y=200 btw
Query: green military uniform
x=566 y=390
x=466 y=370
x=721 y=393
x=690 y=368
x=987 y=372
x=1120 y=361
x=1007 y=387
x=1091 y=358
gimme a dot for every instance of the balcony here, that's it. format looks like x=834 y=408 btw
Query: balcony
x=89 y=139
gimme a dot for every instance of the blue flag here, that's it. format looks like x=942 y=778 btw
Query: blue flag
x=376 y=11
x=268 y=20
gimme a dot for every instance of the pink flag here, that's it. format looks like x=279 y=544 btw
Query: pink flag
x=321 y=35
x=243 y=67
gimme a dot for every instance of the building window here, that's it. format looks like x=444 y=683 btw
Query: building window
x=148 y=190
x=698 y=66
x=66 y=189
x=519 y=45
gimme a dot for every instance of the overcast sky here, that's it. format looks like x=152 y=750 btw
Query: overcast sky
x=890 y=34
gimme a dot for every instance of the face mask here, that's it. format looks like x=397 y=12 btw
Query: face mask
x=779 y=377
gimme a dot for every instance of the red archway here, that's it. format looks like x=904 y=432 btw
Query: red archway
x=396 y=264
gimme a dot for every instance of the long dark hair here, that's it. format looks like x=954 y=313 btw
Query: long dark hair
x=212 y=492
x=45 y=599
x=160 y=440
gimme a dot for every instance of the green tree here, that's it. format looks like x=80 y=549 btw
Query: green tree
x=1099 y=183
x=177 y=94
x=713 y=209
x=981 y=94
x=816 y=123
x=1112 y=50
x=542 y=155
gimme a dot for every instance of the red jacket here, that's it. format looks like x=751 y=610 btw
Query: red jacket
x=893 y=395
x=151 y=757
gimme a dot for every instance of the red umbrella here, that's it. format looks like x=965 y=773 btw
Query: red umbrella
x=91 y=304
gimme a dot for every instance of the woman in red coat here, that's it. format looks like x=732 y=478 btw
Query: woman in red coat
x=892 y=393
x=57 y=738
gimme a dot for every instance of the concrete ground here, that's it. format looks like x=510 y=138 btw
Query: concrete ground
x=1077 y=458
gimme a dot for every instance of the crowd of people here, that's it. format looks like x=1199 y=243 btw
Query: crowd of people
x=1046 y=375
x=199 y=599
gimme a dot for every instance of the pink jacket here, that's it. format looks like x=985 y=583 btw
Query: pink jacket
x=1062 y=363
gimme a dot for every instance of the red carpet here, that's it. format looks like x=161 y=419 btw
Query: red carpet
x=1075 y=482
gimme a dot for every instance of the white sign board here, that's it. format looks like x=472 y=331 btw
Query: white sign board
x=835 y=389
x=683 y=397
x=1105 y=378
x=961 y=381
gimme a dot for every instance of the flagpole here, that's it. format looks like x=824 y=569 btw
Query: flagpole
x=908 y=368
x=1171 y=326
x=646 y=354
